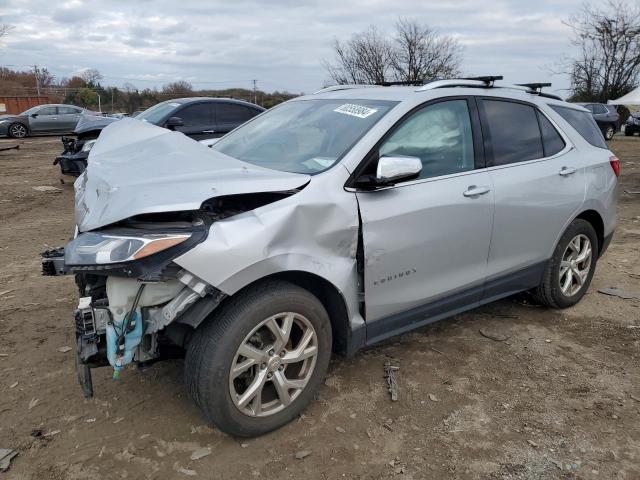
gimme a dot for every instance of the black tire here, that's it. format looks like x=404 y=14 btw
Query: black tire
x=213 y=348
x=549 y=292
x=18 y=130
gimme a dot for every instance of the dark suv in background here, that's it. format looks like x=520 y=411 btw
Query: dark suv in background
x=200 y=118
x=605 y=116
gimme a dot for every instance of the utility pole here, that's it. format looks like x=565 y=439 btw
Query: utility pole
x=255 y=88
x=37 y=75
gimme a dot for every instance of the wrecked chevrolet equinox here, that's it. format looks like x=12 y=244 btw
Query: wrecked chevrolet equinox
x=327 y=224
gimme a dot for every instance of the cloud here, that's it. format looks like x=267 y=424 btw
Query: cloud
x=282 y=45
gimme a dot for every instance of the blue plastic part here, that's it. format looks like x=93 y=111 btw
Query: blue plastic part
x=131 y=341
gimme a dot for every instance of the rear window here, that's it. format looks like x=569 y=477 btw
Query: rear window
x=583 y=123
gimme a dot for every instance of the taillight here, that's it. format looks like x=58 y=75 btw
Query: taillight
x=615 y=165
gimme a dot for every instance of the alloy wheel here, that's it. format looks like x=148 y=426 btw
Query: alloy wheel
x=575 y=265
x=273 y=364
x=18 y=130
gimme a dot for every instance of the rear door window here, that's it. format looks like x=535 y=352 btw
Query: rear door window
x=513 y=131
x=583 y=123
x=230 y=113
x=551 y=139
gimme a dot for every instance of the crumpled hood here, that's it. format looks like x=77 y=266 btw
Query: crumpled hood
x=93 y=122
x=137 y=168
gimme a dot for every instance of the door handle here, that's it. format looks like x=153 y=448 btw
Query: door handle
x=474 y=191
x=565 y=171
x=208 y=131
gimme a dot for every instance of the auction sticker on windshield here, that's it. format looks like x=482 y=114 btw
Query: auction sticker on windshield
x=355 y=110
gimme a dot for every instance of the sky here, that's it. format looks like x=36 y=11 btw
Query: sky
x=279 y=43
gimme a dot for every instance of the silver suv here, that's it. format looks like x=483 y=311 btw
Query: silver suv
x=327 y=224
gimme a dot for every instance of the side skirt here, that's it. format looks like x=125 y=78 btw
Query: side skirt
x=492 y=290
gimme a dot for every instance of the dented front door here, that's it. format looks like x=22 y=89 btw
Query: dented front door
x=423 y=242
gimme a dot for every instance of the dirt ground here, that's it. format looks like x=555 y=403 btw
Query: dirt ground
x=559 y=398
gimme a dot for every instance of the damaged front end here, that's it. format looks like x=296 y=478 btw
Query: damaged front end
x=131 y=292
x=134 y=217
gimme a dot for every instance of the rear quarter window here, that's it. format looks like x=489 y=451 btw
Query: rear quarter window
x=583 y=123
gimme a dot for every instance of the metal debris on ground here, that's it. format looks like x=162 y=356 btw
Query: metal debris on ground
x=496 y=337
x=302 y=454
x=390 y=375
x=6 y=455
x=64 y=349
x=633 y=191
x=14 y=147
x=46 y=188
x=200 y=453
x=616 y=292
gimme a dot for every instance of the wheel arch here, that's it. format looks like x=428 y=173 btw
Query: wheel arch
x=596 y=221
x=330 y=297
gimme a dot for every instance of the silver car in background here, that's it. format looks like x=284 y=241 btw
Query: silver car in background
x=327 y=224
x=43 y=119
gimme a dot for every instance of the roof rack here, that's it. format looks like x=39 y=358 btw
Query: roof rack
x=488 y=80
x=536 y=89
x=457 y=82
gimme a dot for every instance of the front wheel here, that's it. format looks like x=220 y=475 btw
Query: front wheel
x=259 y=361
x=18 y=130
x=571 y=268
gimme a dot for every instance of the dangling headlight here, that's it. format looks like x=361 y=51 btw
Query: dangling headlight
x=104 y=248
x=88 y=145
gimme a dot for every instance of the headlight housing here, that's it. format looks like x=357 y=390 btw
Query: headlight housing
x=88 y=145
x=109 y=248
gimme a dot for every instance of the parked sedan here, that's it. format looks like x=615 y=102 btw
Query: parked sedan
x=41 y=119
x=605 y=116
x=198 y=117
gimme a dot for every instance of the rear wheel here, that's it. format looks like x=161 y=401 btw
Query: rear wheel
x=258 y=363
x=18 y=130
x=570 y=269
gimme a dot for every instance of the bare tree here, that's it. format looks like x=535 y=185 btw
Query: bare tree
x=179 y=87
x=421 y=54
x=608 y=41
x=365 y=58
x=415 y=53
x=4 y=29
x=91 y=76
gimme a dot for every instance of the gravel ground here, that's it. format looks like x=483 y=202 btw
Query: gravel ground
x=559 y=398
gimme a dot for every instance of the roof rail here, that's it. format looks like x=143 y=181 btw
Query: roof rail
x=334 y=88
x=411 y=83
x=462 y=82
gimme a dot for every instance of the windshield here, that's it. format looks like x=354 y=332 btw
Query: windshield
x=158 y=112
x=305 y=136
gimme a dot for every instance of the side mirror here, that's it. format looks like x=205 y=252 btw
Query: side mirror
x=396 y=169
x=174 y=122
x=34 y=115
